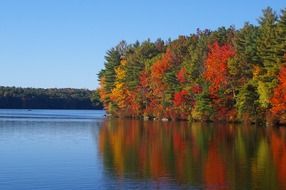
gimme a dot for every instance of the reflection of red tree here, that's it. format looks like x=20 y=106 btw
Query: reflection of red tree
x=157 y=162
x=180 y=149
x=278 y=147
x=214 y=171
x=132 y=135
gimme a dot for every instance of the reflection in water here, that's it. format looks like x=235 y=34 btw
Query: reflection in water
x=219 y=157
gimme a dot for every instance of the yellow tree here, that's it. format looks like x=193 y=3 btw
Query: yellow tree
x=119 y=93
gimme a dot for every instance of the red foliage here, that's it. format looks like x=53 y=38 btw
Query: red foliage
x=181 y=75
x=196 y=89
x=134 y=106
x=216 y=65
x=179 y=97
x=162 y=65
x=216 y=74
x=157 y=85
x=279 y=98
x=143 y=79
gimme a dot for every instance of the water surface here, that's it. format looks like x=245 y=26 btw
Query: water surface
x=66 y=149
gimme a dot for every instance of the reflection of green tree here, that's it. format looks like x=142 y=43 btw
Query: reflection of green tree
x=240 y=154
x=263 y=169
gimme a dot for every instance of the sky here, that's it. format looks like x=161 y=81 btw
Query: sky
x=62 y=43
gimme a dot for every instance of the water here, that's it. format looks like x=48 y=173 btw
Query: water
x=60 y=149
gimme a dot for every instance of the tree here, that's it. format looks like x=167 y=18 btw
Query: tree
x=267 y=39
x=247 y=102
x=216 y=66
x=52 y=98
x=118 y=93
x=280 y=46
x=278 y=100
x=95 y=99
x=158 y=85
x=216 y=73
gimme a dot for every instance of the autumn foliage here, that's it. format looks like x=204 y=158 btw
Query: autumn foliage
x=181 y=75
x=216 y=66
x=223 y=75
x=179 y=97
x=160 y=67
x=279 y=97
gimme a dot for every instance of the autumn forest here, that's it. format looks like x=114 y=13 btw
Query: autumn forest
x=227 y=74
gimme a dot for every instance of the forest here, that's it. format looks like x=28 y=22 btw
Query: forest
x=227 y=74
x=39 y=98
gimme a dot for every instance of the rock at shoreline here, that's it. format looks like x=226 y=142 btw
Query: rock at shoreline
x=165 y=119
x=146 y=118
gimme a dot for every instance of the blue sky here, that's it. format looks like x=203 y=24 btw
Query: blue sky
x=62 y=43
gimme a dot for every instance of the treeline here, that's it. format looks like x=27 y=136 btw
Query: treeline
x=223 y=75
x=38 y=98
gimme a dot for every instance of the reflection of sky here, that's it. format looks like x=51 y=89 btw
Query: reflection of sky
x=24 y=114
x=49 y=154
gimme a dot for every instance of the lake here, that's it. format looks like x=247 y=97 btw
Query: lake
x=69 y=149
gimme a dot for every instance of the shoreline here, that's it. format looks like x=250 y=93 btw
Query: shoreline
x=165 y=119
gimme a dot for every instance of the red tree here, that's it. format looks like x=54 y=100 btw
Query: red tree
x=181 y=75
x=216 y=66
x=162 y=65
x=157 y=84
x=179 y=97
x=217 y=75
x=279 y=97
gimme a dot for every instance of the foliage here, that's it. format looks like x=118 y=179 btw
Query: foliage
x=216 y=66
x=247 y=102
x=279 y=97
x=227 y=74
x=38 y=98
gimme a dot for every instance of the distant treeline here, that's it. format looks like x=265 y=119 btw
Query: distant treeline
x=39 y=98
x=226 y=74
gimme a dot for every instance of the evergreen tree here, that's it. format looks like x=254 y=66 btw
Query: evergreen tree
x=247 y=101
x=266 y=42
x=281 y=38
x=112 y=60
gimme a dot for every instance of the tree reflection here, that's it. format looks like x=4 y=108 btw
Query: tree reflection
x=229 y=157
